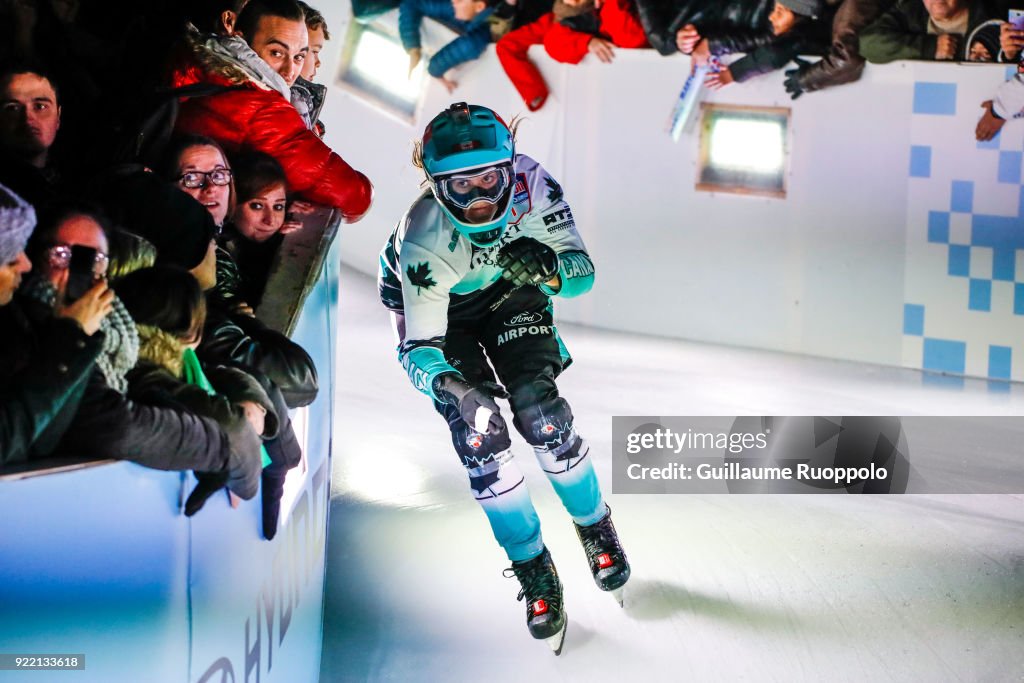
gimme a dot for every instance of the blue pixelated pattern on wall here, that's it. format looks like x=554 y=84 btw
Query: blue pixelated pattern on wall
x=935 y=98
x=983 y=251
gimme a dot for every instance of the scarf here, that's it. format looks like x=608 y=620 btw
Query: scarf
x=237 y=51
x=120 y=349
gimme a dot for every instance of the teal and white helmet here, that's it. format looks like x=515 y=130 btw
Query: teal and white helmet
x=468 y=153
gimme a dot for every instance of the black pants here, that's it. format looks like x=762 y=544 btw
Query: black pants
x=516 y=344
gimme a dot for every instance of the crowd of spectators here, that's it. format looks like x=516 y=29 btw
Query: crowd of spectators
x=138 y=226
x=770 y=34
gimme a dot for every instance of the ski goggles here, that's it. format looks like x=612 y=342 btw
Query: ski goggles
x=462 y=189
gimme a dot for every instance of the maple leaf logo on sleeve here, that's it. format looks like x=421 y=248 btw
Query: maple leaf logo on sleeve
x=420 y=276
x=554 y=189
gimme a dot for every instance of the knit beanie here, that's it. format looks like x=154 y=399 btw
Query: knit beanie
x=989 y=37
x=176 y=224
x=807 y=8
x=17 y=221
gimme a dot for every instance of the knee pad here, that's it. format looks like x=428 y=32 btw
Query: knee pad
x=488 y=461
x=548 y=427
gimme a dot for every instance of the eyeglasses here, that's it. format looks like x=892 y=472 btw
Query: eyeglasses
x=196 y=179
x=59 y=258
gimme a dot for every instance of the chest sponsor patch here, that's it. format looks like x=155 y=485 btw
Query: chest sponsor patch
x=522 y=331
x=558 y=220
x=524 y=319
x=558 y=216
x=521 y=202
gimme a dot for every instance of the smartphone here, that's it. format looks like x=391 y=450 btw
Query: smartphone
x=81 y=274
x=1016 y=17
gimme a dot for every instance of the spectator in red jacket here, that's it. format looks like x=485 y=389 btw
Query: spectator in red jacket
x=572 y=30
x=258 y=111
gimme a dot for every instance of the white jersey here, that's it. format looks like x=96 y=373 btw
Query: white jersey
x=434 y=262
x=1009 y=100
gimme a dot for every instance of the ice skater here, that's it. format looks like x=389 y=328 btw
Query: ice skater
x=468 y=275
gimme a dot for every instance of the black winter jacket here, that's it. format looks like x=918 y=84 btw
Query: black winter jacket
x=661 y=19
x=97 y=420
x=765 y=52
x=243 y=267
x=46 y=363
x=244 y=341
x=843 y=63
x=156 y=385
x=110 y=425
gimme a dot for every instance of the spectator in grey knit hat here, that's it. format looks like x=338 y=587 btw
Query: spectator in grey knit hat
x=45 y=355
x=101 y=420
x=17 y=220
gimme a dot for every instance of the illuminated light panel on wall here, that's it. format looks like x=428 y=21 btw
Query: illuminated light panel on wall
x=376 y=68
x=746 y=145
x=382 y=61
x=743 y=150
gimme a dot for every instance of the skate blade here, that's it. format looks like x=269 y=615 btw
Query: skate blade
x=619 y=595
x=555 y=641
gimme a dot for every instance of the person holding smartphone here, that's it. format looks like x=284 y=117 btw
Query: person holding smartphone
x=46 y=360
x=1011 y=36
x=106 y=423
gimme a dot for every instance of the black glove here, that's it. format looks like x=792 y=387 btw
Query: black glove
x=793 y=83
x=285 y=453
x=271 y=491
x=454 y=390
x=526 y=261
x=209 y=484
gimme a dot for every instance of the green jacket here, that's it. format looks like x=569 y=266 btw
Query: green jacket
x=902 y=31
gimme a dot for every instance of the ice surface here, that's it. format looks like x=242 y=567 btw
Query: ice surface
x=757 y=588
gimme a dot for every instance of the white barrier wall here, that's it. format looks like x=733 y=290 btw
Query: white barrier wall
x=102 y=562
x=842 y=267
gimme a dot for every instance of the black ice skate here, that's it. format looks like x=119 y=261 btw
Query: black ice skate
x=543 y=592
x=607 y=560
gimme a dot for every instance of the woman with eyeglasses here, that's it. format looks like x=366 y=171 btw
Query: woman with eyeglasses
x=47 y=354
x=232 y=334
x=200 y=168
x=105 y=423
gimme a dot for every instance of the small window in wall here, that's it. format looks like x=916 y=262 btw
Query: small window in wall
x=376 y=68
x=744 y=150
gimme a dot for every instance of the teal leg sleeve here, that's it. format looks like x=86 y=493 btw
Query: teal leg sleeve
x=569 y=469
x=506 y=502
